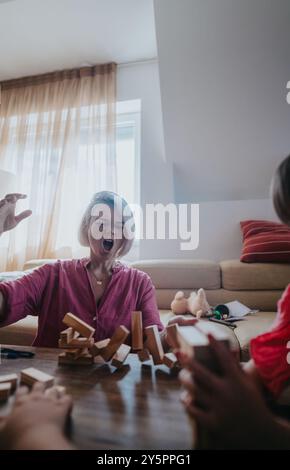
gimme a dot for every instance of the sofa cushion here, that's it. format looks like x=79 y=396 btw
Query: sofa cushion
x=257 y=300
x=265 y=241
x=181 y=274
x=255 y=276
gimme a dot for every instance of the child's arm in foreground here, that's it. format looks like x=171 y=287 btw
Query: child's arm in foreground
x=37 y=421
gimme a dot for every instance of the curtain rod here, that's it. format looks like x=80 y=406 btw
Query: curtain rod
x=152 y=60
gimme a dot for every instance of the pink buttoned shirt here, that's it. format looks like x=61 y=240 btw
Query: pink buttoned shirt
x=52 y=290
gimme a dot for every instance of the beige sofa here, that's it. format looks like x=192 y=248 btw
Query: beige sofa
x=257 y=285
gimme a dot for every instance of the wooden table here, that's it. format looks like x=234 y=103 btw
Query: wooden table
x=136 y=407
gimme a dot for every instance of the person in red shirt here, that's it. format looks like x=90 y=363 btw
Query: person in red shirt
x=232 y=406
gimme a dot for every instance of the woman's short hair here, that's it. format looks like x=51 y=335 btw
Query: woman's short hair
x=108 y=198
x=281 y=191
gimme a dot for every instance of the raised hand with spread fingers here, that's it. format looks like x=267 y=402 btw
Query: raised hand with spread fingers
x=8 y=219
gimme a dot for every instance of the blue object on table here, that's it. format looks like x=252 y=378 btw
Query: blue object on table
x=8 y=353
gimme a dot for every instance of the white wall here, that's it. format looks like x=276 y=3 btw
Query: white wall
x=141 y=81
x=224 y=66
x=219 y=231
x=220 y=236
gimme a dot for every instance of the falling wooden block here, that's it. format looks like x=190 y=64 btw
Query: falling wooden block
x=77 y=343
x=137 y=331
x=67 y=335
x=170 y=360
x=5 y=389
x=99 y=346
x=31 y=375
x=172 y=336
x=153 y=344
x=82 y=360
x=144 y=355
x=57 y=391
x=194 y=343
x=121 y=355
x=118 y=338
x=9 y=378
x=79 y=325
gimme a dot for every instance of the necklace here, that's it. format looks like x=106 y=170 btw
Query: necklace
x=100 y=282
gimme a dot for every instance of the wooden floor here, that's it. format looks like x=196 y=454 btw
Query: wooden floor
x=136 y=407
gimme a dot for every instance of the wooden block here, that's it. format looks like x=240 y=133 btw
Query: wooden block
x=88 y=359
x=31 y=375
x=170 y=360
x=56 y=391
x=79 y=325
x=137 y=331
x=153 y=344
x=73 y=353
x=77 y=343
x=172 y=336
x=144 y=355
x=121 y=355
x=99 y=346
x=118 y=338
x=9 y=378
x=194 y=343
x=67 y=335
x=5 y=390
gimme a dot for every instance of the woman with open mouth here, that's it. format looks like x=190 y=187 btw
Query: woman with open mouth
x=99 y=289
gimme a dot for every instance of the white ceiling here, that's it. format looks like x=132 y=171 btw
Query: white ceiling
x=38 y=36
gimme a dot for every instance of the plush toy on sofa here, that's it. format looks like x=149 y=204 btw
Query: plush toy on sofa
x=196 y=304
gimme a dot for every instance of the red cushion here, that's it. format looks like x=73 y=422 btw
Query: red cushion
x=265 y=242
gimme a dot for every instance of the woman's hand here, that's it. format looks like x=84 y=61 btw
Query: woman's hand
x=8 y=219
x=37 y=421
x=229 y=406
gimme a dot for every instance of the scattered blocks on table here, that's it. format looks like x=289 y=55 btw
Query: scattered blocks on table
x=83 y=359
x=172 y=336
x=99 y=346
x=121 y=355
x=31 y=375
x=170 y=360
x=153 y=344
x=120 y=335
x=144 y=355
x=78 y=325
x=78 y=343
x=67 y=335
x=137 y=331
x=9 y=378
x=5 y=389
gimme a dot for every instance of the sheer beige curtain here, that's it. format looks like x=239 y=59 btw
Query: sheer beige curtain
x=57 y=135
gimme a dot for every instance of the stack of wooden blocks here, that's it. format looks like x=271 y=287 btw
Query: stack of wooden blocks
x=80 y=348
